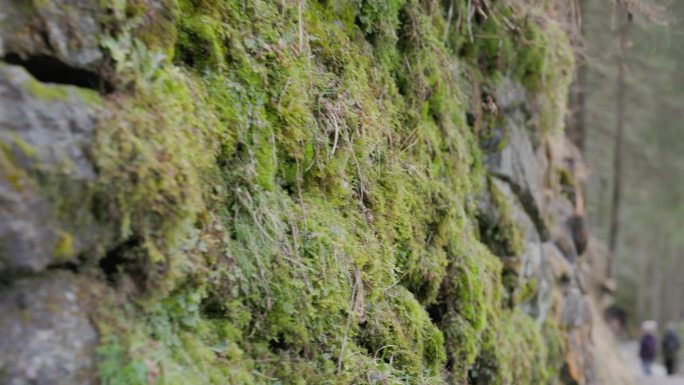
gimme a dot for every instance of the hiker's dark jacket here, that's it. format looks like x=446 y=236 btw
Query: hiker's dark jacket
x=670 y=344
x=648 y=347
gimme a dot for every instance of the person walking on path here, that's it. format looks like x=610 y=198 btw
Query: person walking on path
x=648 y=346
x=670 y=349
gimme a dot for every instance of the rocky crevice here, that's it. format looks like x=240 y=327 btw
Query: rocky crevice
x=48 y=69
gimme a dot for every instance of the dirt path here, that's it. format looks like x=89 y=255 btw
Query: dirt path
x=629 y=351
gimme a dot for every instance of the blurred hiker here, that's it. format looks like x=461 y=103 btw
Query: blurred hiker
x=670 y=348
x=648 y=346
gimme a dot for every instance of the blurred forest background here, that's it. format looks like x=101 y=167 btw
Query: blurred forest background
x=626 y=115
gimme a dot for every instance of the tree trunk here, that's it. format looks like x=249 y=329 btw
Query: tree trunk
x=619 y=137
x=576 y=118
x=642 y=290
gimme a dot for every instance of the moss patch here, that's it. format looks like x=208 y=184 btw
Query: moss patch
x=290 y=189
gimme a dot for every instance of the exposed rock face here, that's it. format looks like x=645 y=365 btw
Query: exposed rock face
x=554 y=235
x=47 y=335
x=66 y=31
x=562 y=210
x=46 y=133
x=512 y=157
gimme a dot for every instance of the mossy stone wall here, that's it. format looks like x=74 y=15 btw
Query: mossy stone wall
x=290 y=192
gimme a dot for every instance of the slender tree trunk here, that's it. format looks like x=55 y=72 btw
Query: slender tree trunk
x=677 y=285
x=670 y=286
x=576 y=117
x=642 y=294
x=660 y=279
x=619 y=137
x=656 y=296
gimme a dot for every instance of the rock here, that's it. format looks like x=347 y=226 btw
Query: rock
x=67 y=30
x=575 y=309
x=577 y=225
x=566 y=208
x=57 y=120
x=583 y=278
x=566 y=156
x=578 y=368
x=531 y=259
x=498 y=229
x=46 y=337
x=533 y=267
x=545 y=290
x=510 y=156
x=565 y=244
x=511 y=96
x=25 y=245
x=562 y=271
x=560 y=211
x=45 y=168
x=595 y=264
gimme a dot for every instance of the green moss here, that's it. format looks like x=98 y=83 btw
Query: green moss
x=151 y=151
x=550 y=76
x=91 y=97
x=23 y=148
x=379 y=19
x=516 y=354
x=295 y=186
x=37 y=4
x=114 y=367
x=554 y=340
x=527 y=291
x=566 y=179
x=50 y=93
x=10 y=172
x=504 y=234
x=200 y=42
x=401 y=333
x=64 y=249
x=523 y=44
